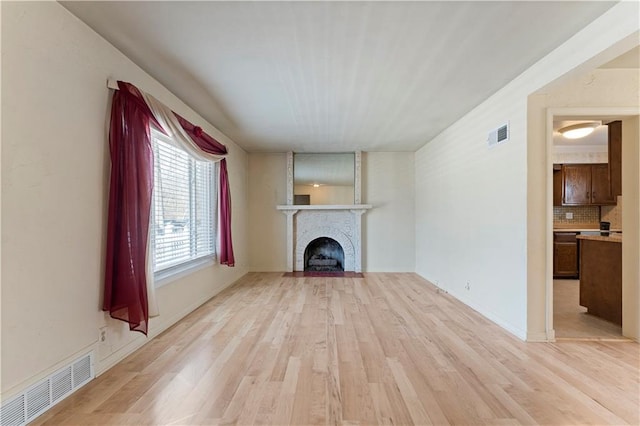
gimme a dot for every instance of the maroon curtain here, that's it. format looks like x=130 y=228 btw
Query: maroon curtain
x=130 y=191
x=125 y=290
x=212 y=146
x=226 y=245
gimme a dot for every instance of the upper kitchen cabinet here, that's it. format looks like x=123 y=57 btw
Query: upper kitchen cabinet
x=557 y=184
x=586 y=184
x=615 y=157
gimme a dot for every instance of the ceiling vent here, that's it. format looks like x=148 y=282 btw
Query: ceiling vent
x=499 y=135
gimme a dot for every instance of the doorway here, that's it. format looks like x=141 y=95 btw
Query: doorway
x=567 y=317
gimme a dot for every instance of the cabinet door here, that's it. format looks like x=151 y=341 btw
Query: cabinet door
x=565 y=259
x=615 y=157
x=601 y=185
x=557 y=186
x=576 y=184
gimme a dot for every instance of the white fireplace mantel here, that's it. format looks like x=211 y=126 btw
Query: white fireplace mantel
x=343 y=223
x=325 y=207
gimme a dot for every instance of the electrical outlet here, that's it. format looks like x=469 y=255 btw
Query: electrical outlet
x=568 y=215
x=468 y=286
x=103 y=335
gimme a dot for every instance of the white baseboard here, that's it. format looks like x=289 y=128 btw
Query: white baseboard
x=492 y=316
x=541 y=337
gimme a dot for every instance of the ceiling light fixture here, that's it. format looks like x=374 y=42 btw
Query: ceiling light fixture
x=580 y=130
x=315 y=185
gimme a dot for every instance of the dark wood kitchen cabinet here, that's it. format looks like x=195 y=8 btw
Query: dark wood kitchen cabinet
x=601 y=278
x=601 y=185
x=557 y=184
x=586 y=184
x=615 y=157
x=565 y=255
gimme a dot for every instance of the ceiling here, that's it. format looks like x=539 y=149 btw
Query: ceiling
x=335 y=76
x=599 y=137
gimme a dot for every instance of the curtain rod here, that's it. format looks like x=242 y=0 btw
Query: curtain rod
x=112 y=84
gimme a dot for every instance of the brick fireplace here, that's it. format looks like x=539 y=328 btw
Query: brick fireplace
x=341 y=223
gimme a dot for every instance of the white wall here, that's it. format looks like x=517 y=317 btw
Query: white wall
x=388 y=228
x=55 y=168
x=471 y=213
x=480 y=212
x=631 y=227
x=267 y=226
x=387 y=183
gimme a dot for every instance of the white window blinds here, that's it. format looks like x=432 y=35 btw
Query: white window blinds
x=184 y=206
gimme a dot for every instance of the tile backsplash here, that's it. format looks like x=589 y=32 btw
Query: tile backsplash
x=581 y=215
x=613 y=214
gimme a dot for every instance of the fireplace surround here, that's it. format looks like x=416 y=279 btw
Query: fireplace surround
x=341 y=223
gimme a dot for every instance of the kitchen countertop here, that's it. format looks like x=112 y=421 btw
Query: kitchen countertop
x=576 y=227
x=613 y=238
x=579 y=228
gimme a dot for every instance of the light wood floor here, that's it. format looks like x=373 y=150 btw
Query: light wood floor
x=385 y=349
x=571 y=321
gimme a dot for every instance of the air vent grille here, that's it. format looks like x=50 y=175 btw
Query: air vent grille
x=81 y=371
x=61 y=384
x=38 y=399
x=45 y=394
x=499 y=135
x=12 y=413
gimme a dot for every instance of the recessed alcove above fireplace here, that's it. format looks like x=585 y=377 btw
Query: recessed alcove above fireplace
x=308 y=223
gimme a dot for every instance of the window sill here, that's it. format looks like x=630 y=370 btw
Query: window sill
x=174 y=273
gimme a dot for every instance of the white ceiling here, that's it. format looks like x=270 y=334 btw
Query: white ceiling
x=335 y=76
x=599 y=137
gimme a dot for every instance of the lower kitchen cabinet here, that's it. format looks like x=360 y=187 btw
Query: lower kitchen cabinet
x=565 y=255
x=601 y=278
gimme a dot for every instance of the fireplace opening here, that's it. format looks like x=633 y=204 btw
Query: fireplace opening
x=324 y=255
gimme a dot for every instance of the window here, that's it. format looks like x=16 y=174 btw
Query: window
x=184 y=206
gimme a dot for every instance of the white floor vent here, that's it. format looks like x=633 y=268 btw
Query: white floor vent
x=45 y=394
x=499 y=135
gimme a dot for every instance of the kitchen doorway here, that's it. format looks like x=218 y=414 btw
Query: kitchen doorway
x=567 y=318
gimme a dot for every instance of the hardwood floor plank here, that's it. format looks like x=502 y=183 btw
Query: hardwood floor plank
x=383 y=349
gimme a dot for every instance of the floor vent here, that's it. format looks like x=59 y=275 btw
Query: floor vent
x=13 y=413
x=45 y=394
x=499 y=135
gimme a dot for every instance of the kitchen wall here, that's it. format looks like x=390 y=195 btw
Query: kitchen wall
x=494 y=259
x=580 y=154
x=613 y=214
x=387 y=183
x=55 y=169
x=582 y=215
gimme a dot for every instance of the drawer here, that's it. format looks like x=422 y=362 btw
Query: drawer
x=565 y=237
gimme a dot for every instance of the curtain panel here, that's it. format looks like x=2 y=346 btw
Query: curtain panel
x=128 y=290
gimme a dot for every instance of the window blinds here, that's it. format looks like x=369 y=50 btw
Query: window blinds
x=184 y=206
